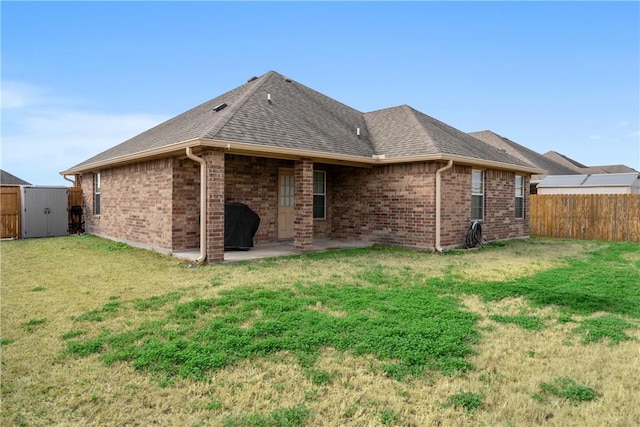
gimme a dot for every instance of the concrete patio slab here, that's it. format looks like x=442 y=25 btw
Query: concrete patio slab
x=275 y=250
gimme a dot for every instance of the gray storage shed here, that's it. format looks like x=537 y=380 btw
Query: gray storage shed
x=44 y=211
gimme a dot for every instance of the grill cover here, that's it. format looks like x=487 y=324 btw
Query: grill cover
x=240 y=225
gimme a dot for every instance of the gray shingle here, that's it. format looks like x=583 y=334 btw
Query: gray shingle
x=301 y=118
x=523 y=153
x=405 y=132
x=564 y=160
x=9 y=179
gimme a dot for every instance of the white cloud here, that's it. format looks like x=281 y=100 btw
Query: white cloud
x=594 y=137
x=623 y=124
x=19 y=95
x=42 y=135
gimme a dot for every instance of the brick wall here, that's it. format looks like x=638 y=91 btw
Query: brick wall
x=157 y=203
x=391 y=204
x=186 y=205
x=135 y=204
x=500 y=222
x=499 y=206
x=254 y=182
x=456 y=205
x=395 y=204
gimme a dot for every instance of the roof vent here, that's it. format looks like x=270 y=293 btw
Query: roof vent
x=219 y=107
x=269 y=98
x=358 y=132
x=287 y=80
x=252 y=79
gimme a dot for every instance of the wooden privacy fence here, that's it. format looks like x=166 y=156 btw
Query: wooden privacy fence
x=611 y=217
x=75 y=196
x=10 y=212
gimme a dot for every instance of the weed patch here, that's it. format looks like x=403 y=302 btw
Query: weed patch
x=117 y=246
x=408 y=324
x=72 y=334
x=530 y=323
x=318 y=376
x=568 y=389
x=606 y=279
x=466 y=400
x=85 y=348
x=98 y=315
x=388 y=416
x=30 y=325
x=287 y=417
x=604 y=327
x=155 y=302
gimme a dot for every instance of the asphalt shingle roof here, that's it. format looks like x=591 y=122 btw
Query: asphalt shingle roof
x=8 y=179
x=523 y=153
x=582 y=169
x=405 y=132
x=564 y=160
x=298 y=117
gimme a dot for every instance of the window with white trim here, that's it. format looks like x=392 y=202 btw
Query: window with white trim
x=319 y=195
x=96 y=193
x=477 y=195
x=519 y=196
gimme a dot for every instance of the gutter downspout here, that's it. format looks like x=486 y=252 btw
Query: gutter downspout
x=438 y=202
x=203 y=204
x=73 y=181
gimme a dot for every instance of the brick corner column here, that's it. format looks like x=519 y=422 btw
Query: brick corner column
x=303 y=216
x=215 y=205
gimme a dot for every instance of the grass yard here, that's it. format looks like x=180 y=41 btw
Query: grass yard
x=523 y=333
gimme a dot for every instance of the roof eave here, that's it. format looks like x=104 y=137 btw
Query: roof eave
x=470 y=161
x=131 y=158
x=235 y=147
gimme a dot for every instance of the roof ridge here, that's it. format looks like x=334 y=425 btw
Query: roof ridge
x=242 y=99
x=411 y=112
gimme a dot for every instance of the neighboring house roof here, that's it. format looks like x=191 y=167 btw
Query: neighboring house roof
x=608 y=169
x=275 y=114
x=523 y=153
x=580 y=168
x=595 y=180
x=564 y=160
x=8 y=179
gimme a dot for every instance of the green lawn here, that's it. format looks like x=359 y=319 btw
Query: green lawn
x=97 y=332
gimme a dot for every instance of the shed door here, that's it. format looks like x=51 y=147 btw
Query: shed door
x=44 y=212
x=286 y=201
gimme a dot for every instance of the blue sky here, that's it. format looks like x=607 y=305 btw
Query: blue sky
x=80 y=77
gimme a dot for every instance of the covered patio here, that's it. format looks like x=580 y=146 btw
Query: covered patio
x=270 y=250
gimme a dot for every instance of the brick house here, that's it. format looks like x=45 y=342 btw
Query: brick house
x=311 y=167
